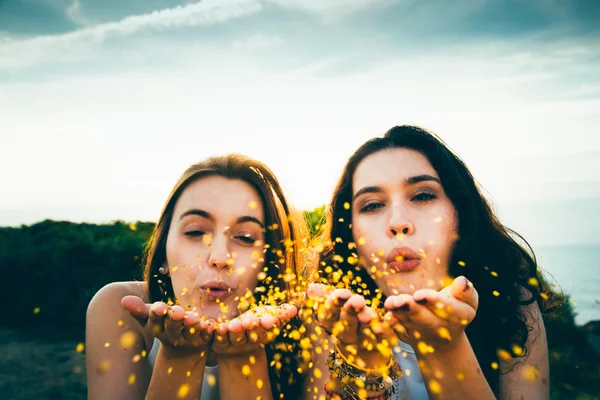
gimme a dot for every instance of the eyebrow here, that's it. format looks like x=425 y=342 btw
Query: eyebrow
x=207 y=215
x=413 y=180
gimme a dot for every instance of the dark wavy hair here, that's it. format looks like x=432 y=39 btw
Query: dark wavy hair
x=486 y=252
x=285 y=231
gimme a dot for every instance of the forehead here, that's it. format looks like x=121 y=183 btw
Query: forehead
x=391 y=167
x=221 y=197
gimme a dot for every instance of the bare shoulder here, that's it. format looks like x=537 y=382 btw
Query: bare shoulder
x=104 y=310
x=107 y=294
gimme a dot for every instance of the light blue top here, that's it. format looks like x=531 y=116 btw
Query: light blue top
x=410 y=386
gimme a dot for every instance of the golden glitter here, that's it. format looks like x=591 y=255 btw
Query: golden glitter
x=496 y=293
x=79 y=347
x=128 y=339
x=183 y=391
x=211 y=380
x=259 y=383
x=346 y=205
x=36 y=310
x=253 y=204
x=246 y=371
x=435 y=387
x=131 y=379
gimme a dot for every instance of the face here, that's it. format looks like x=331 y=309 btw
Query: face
x=215 y=245
x=403 y=224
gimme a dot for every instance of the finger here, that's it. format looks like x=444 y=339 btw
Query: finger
x=158 y=313
x=285 y=312
x=410 y=314
x=177 y=313
x=366 y=315
x=174 y=329
x=137 y=308
x=237 y=333
x=207 y=331
x=445 y=307
x=318 y=290
x=329 y=313
x=191 y=319
x=221 y=335
x=462 y=289
x=348 y=330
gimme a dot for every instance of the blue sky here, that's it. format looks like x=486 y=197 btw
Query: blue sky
x=104 y=103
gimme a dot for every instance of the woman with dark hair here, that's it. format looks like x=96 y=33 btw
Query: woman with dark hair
x=214 y=315
x=432 y=269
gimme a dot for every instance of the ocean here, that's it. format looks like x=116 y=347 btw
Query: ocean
x=574 y=270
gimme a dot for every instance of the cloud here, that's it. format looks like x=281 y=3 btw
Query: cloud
x=75 y=14
x=20 y=53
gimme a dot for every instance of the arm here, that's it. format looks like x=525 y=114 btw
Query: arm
x=256 y=385
x=528 y=377
x=177 y=375
x=111 y=371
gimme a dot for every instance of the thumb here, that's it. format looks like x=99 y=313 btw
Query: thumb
x=462 y=289
x=137 y=308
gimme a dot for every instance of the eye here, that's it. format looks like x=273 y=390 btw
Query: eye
x=424 y=197
x=246 y=238
x=371 y=206
x=195 y=233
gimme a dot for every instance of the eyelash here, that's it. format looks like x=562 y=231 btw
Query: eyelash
x=195 y=233
x=428 y=197
x=198 y=234
x=422 y=197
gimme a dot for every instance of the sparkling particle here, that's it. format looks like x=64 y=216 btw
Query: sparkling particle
x=211 y=380
x=494 y=365
x=462 y=263
x=435 y=387
x=79 y=347
x=183 y=391
x=127 y=339
x=246 y=370
x=36 y=310
x=120 y=322
x=530 y=373
x=460 y=376
x=169 y=370
x=496 y=293
x=253 y=204
x=503 y=354
x=104 y=366
x=317 y=373
x=346 y=205
x=252 y=360
x=259 y=383
x=131 y=379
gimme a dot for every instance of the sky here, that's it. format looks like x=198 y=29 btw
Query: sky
x=104 y=103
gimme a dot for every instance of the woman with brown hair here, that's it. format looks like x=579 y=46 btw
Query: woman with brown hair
x=428 y=281
x=215 y=314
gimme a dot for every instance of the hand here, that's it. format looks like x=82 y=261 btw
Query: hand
x=179 y=332
x=251 y=330
x=431 y=319
x=358 y=328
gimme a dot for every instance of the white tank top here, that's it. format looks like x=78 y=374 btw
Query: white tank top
x=208 y=392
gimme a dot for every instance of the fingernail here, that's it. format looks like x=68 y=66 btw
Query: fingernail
x=466 y=285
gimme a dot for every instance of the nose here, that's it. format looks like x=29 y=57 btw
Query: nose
x=219 y=253
x=400 y=223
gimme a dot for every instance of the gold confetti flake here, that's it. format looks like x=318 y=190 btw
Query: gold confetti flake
x=496 y=293
x=183 y=391
x=253 y=204
x=435 y=387
x=36 y=310
x=346 y=205
x=128 y=340
x=80 y=347
x=259 y=383
x=246 y=371
x=131 y=379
